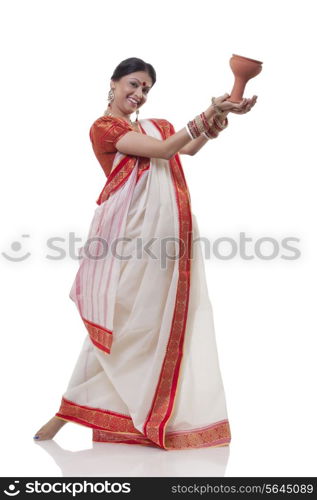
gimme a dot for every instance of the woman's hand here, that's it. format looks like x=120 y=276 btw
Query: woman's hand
x=231 y=107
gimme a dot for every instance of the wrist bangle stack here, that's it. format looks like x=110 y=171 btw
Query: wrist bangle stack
x=211 y=134
x=200 y=125
x=196 y=126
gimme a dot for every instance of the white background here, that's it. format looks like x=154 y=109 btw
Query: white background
x=258 y=177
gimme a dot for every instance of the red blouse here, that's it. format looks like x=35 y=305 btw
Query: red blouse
x=104 y=135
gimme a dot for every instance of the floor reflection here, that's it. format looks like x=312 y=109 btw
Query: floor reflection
x=124 y=460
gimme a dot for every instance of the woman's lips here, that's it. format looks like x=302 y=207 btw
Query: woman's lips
x=132 y=101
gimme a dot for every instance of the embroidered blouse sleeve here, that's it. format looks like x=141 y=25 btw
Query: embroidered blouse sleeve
x=105 y=133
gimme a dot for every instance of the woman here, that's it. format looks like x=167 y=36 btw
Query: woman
x=148 y=370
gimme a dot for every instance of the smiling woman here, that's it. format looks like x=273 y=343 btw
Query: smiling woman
x=148 y=370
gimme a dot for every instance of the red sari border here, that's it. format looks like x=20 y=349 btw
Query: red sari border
x=117 y=177
x=96 y=418
x=101 y=337
x=217 y=434
x=164 y=398
x=109 y=427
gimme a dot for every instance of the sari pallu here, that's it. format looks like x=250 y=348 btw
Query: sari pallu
x=148 y=371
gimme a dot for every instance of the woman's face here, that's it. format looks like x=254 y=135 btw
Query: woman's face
x=130 y=92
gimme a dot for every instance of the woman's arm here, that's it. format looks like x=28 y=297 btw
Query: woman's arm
x=133 y=143
x=136 y=144
x=240 y=109
x=196 y=144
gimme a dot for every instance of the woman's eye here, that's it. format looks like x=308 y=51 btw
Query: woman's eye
x=134 y=84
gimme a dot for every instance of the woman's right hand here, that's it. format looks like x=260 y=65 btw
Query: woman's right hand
x=232 y=107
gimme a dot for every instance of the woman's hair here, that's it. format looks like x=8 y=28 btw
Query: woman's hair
x=132 y=65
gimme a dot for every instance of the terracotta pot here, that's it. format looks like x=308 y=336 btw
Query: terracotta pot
x=243 y=69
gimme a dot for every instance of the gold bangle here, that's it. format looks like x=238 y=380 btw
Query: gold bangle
x=199 y=123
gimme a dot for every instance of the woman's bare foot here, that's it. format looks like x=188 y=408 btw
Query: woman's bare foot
x=49 y=430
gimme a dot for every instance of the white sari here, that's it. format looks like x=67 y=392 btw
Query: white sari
x=148 y=371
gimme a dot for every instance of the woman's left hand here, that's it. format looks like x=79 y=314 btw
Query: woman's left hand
x=245 y=106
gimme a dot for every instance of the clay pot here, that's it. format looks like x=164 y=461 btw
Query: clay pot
x=243 y=69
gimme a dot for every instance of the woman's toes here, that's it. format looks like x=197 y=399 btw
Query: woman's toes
x=41 y=436
x=37 y=436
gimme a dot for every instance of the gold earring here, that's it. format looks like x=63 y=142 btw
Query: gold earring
x=110 y=97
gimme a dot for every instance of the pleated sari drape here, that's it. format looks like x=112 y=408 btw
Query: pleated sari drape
x=148 y=371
